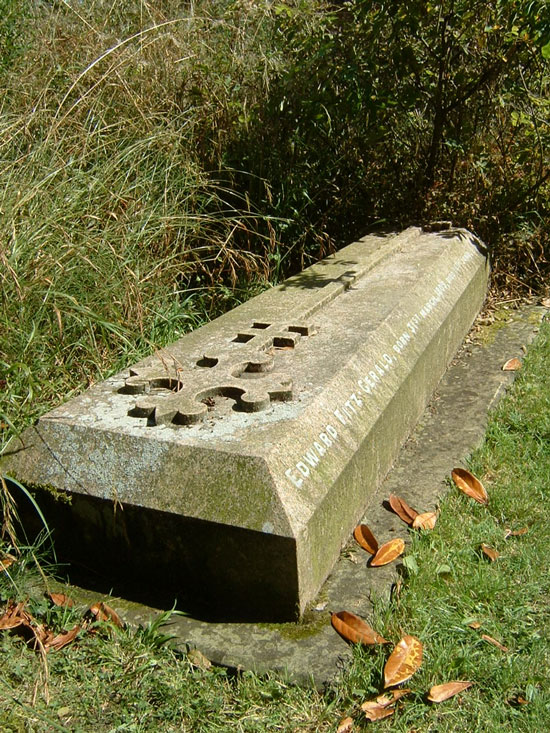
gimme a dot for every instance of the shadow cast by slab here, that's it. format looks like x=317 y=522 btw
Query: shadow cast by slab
x=213 y=572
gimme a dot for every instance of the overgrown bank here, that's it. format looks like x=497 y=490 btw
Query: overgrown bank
x=160 y=162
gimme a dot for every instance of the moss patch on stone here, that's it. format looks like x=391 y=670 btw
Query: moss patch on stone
x=311 y=623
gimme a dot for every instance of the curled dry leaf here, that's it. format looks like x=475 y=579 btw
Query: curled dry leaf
x=61 y=640
x=102 y=612
x=388 y=698
x=402 y=509
x=388 y=552
x=425 y=521
x=489 y=552
x=470 y=485
x=403 y=662
x=512 y=365
x=515 y=532
x=439 y=693
x=494 y=642
x=365 y=538
x=60 y=599
x=354 y=629
x=345 y=725
x=475 y=625
x=375 y=711
x=15 y=615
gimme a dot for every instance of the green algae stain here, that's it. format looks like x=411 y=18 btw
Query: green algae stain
x=311 y=624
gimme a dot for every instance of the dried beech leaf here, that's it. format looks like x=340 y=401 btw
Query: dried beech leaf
x=365 y=538
x=439 y=693
x=354 y=629
x=345 y=725
x=425 y=521
x=515 y=532
x=403 y=662
x=475 y=625
x=61 y=640
x=60 y=599
x=470 y=485
x=494 y=642
x=388 y=552
x=402 y=509
x=489 y=552
x=102 y=612
x=375 y=711
x=512 y=365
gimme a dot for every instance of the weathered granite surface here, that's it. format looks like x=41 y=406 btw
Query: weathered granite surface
x=231 y=467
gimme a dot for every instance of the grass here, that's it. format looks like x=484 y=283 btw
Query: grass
x=114 y=239
x=134 y=680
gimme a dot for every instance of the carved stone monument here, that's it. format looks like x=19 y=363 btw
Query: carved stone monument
x=232 y=466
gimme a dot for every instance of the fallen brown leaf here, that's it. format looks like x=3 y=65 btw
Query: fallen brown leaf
x=515 y=532
x=494 y=642
x=61 y=640
x=518 y=700
x=353 y=628
x=402 y=509
x=388 y=552
x=470 y=485
x=102 y=612
x=374 y=711
x=6 y=561
x=395 y=695
x=512 y=365
x=60 y=599
x=365 y=538
x=425 y=521
x=439 y=693
x=489 y=552
x=403 y=662
x=475 y=625
x=15 y=616
x=345 y=725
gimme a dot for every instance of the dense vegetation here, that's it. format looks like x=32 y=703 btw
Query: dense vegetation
x=160 y=161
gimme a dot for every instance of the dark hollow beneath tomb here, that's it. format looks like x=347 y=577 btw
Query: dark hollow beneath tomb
x=211 y=571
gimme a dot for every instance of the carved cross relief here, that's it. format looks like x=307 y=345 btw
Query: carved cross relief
x=242 y=369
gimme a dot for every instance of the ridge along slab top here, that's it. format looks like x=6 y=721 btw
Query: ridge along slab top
x=230 y=467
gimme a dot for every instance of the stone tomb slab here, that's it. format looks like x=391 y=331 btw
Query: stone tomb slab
x=230 y=468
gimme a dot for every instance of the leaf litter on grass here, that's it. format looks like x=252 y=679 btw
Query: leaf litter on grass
x=388 y=552
x=352 y=628
x=470 y=485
